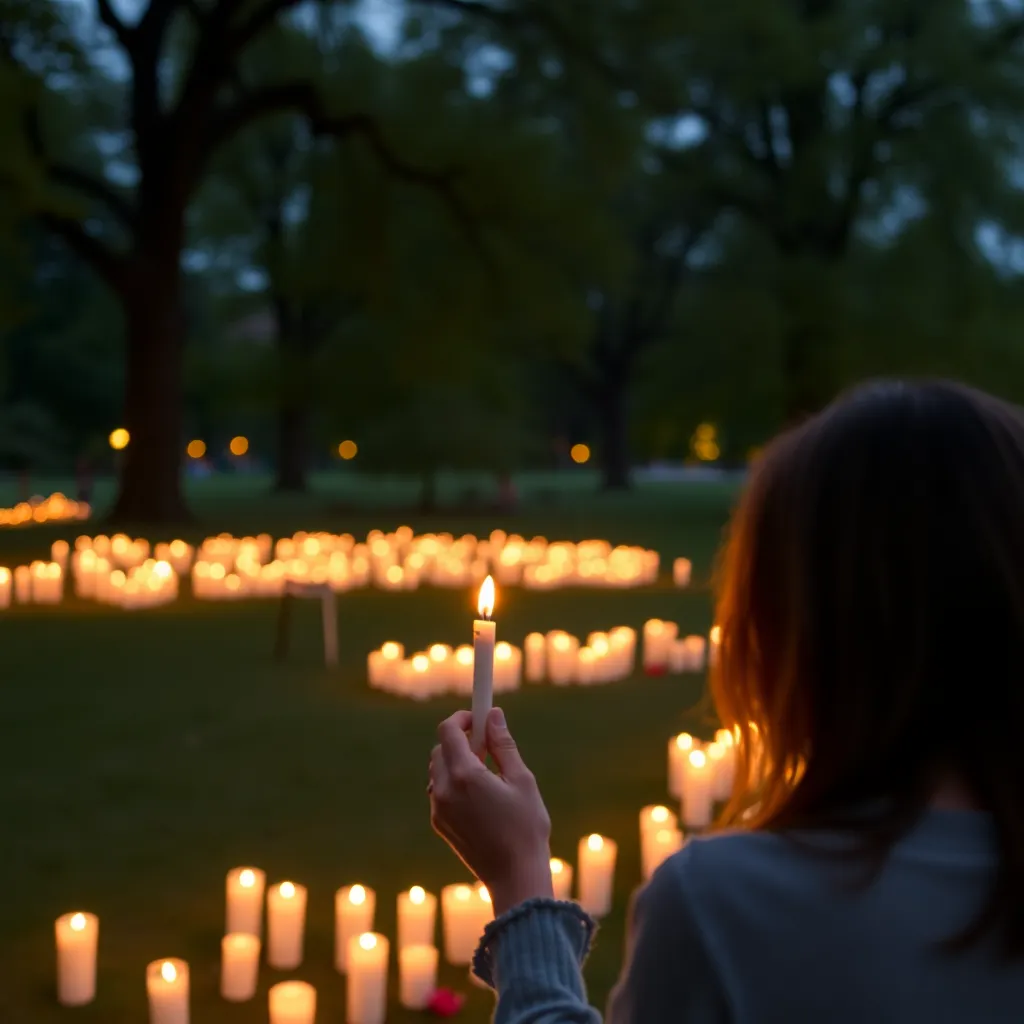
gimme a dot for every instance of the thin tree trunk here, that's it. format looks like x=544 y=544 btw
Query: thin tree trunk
x=292 y=450
x=613 y=424
x=150 y=483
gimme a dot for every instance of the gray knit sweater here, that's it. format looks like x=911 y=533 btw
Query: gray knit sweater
x=751 y=928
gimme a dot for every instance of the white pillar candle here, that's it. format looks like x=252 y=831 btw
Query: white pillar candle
x=239 y=966
x=508 y=662
x=721 y=775
x=367 y=988
x=535 y=651
x=654 y=818
x=286 y=922
x=483 y=664
x=698 y=794
x=682 y=570
x=657 y=847
x=561 y=879
x=562 y=657
x=5 y=587
x=417 y=914
x=167 y=989
x=245 y=887
x=292 y=1002
x=459 y=919
x=596 y=873
x=714 y=644
x=679 y=748
x=442 y=671
x=77 y=936
x=354 y=907
x=23 y=584
x=417 y=975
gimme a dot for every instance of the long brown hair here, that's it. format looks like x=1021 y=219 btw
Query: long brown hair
x=871 y=607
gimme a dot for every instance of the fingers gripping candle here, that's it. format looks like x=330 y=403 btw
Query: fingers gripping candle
x=483 y=664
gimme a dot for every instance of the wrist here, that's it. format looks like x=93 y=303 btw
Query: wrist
x=526 y=880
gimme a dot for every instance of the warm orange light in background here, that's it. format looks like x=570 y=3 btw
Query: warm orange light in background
x=704 y=443
x=239 y=445
x=348 y=450
x=196 y=449
x=119 y=439
x=579 y=453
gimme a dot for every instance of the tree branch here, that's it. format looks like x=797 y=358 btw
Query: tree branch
x=110 y=267
x=303 y=99
x=108 y=16
x=258 y=22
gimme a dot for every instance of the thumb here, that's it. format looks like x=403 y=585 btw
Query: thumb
x=502 y=747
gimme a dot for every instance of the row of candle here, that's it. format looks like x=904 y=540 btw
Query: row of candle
x=439 y=670
x=54 y=509
x=701 y=775
x=38 y=583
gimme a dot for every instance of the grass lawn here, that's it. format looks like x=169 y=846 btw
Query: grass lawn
x=143 y=754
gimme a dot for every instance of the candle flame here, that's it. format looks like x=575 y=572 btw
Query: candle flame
x=391 y=650
x=368 y=940
x=287 y=890
x=168 y=972
x=77 y=922
x=596 y=842
x=485 y=604
x=463 y=892
x=659 y=814
x=697 y=759
x=684 y=741
x=247 y=879
x=417 y=894
x=557 y=867
x=484 y=894
x=716 y=634
x=357 y=895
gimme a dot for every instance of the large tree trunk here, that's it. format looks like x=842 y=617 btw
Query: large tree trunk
x=613 y=424
x=292 y=451
x=150 y=484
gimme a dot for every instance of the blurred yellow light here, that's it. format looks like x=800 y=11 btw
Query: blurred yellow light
x=348 y=450
x=557 y=866
x=247 y=879
x=659 y=815
x=596 y=842
x=119 y=439
x=368 y=940
x=357 y=895
x=417 y=894
x=168 y=972
x=78 y=923
x=287 y=890
x=579 y=453
x=391 y=650
x=463 y=892
x=239 y=445
x=196 y=449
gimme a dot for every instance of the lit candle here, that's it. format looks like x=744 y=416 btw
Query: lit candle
x=354 y=907
x=5 y=587
x=286 y=920
x=292 y=1002
x=77 y=935
x=245 y=901
x=657 y=847
x=654 y=818
x=167 y=989
x=725 y=768
x=239 y=966
x=417 y=975
x=561 y=879
x=535 y=648
x=679 y=748
x=698 y=796
x=367 y=988
x=483 y=664
x=596 y=874
x=682 y=569
x=562 y=657
x=417 y=913
x=714 y=645
x=459 y=920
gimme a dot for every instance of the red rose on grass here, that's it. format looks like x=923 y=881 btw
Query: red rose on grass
x=445 y=1003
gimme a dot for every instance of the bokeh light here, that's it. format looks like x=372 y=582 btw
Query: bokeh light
x=580 y=453
x=704 y=443
x=348 y=450
x=196 y=449
x=119 y=439
x=239 y=445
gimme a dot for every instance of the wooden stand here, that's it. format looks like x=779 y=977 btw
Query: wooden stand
x=329 y=614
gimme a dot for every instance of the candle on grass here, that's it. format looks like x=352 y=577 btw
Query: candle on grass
x=167 y=990
x=292 y=1002
x=77 y=936
x=596 y=873
x=657 y=847
x=286 y=922
x=561 y=879
x=245 y=887
x=698 y=794
x=417 y=913
x=679 y=749
x=417 y=975
x=239 y=967
x=535 y=648
x=653 y=819
x=354 y=907
x=483 y=664
x=367 y=989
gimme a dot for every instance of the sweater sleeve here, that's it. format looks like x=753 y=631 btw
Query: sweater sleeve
x=534 y=955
